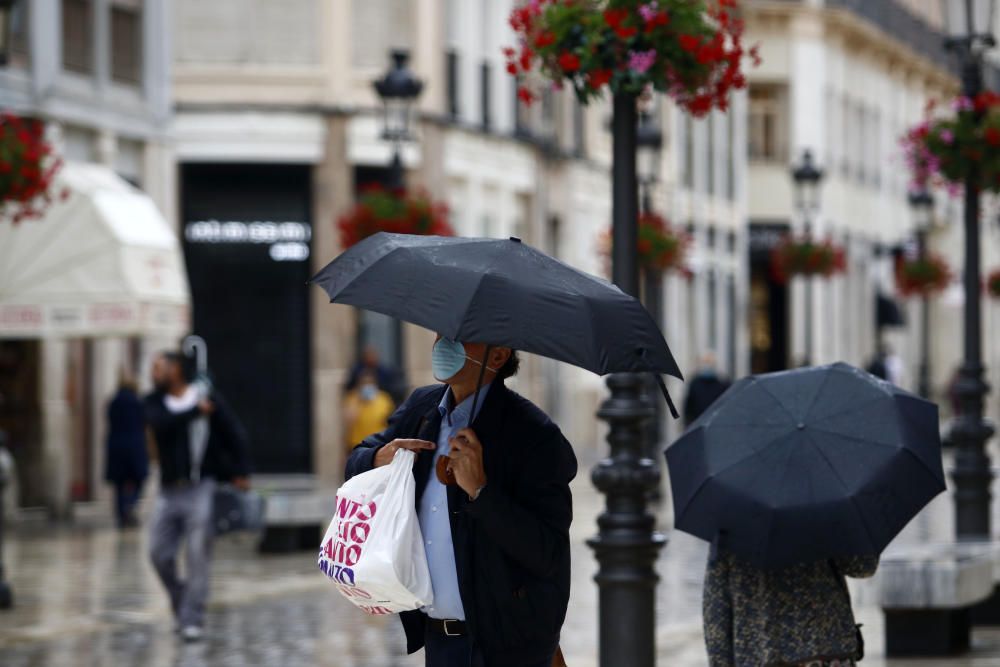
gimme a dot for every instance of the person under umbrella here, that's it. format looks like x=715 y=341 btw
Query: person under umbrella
x=798 y=479
x=492 y=471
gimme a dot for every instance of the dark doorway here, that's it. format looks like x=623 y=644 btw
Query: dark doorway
x=768 y=302
x=247 y=233
x=21 y=416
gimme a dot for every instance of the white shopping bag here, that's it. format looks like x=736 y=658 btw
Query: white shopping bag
x=373 y=550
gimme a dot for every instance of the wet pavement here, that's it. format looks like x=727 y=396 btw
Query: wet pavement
x=86 y=596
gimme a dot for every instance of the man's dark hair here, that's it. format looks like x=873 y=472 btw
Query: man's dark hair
x=182 y=361
x=510 y=367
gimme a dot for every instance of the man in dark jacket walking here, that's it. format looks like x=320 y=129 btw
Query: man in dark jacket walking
x=704 y=389
x=199 y=442
x=497 y=539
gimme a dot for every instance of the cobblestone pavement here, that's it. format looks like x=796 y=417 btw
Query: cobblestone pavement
x=87 y=597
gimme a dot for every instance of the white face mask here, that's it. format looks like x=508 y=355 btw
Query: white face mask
x=448 y=358
x=368 y=392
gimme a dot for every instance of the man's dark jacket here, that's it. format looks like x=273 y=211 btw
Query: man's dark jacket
x=511 y=543
x=225 y=453
x=703 y=390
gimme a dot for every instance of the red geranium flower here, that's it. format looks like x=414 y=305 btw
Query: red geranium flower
x=689 y=43
x=570 y=62
x=544 y=39
x=615 y=17
x=599 y=77
x=992 y=135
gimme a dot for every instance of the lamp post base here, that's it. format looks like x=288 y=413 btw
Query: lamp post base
x=627 y=545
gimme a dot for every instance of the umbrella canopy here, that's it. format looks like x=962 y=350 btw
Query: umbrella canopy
x=500 y=292
x=805 y=465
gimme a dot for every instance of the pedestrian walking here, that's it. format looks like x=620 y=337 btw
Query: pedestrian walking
x=799 y=479
x=367 y=409
x=494 y=505
x=703 y=389
x=792 y=616
x=386 y=377
x=127 y=461
x=200 y=442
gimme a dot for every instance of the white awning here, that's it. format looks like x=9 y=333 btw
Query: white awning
x=104 y=262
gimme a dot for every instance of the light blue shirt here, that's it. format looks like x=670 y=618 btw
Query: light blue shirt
x=433 y=515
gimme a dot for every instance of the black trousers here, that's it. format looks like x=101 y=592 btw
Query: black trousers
x=443 y=651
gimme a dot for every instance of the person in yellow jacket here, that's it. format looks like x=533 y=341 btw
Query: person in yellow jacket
x=366 y=410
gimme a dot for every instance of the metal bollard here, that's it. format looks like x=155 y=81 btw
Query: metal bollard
x=6 y=595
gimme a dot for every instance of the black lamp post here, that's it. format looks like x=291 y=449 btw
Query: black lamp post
x=922 y=206
x=398 y=89
x=6 y=596
x=627 y=544
x=969 y=25
x=649 y=142
x=807 y=178
x=6 y=27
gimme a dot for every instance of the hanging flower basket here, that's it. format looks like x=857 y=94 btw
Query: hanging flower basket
x=398 y=212
x=805 y=256
x=27 y=168
x=944 y=149
x=691 y=50
x=993 y=284
x=661 y=247
x=922 y=277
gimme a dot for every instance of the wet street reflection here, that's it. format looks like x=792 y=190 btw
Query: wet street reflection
x=88 y=597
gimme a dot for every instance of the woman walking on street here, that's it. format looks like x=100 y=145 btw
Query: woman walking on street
x=790 y=617
x=127 y=460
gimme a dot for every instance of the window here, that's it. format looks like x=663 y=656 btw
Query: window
x=19 y=45
x=451 y=81
x=78 y=36
x=861 y=139
x=846 y=137
x=579 y=130
x=688 y=151
x=710 y=154
x=767 y=123
x=731 y=156
x=521 y=113
x=484 y=95
x=126 y=41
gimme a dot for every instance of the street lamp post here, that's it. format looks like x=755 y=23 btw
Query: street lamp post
x=807 y=178
x=649 y=142
x=627 y=544
x=398 y=89
x=6 y=29
x=922 y=205
x=969 y=24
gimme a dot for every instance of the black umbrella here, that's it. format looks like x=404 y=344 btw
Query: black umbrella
x=807 y=464
x=500 y=292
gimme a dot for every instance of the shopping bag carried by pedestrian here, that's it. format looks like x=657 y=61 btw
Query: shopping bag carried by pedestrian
x=236 y=510
x=373 y=550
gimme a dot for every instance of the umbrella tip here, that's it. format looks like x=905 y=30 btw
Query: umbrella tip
x=515 y=239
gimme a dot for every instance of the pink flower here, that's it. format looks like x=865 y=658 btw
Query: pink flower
x=648 y=12
x=641 y=61
x=962 y=104
x=947 y=136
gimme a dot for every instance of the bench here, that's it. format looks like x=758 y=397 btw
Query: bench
x=296 y=514
x=932 y=595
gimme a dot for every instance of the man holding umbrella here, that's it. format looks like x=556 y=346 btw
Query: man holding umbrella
x=494 y=506
x=497 y=539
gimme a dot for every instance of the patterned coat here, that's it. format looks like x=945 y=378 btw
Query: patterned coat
x=796 y=615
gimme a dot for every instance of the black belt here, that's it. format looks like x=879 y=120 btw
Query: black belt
x=448 y=627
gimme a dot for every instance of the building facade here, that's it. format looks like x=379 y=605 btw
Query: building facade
x=286 y=93
x=98 y=73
